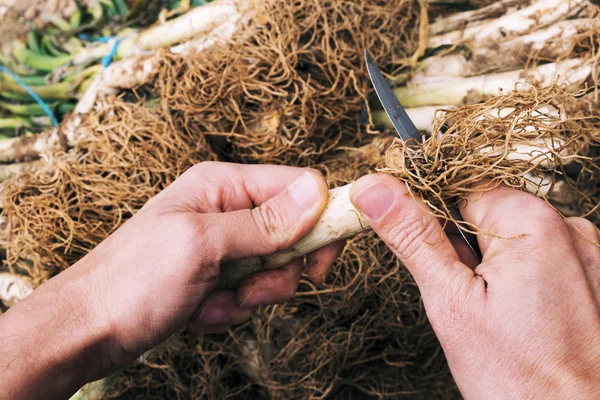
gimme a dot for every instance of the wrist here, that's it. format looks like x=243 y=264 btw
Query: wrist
x=50 y=343
x=576 y=378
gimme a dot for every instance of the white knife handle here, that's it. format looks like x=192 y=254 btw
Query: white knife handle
x=340 y=220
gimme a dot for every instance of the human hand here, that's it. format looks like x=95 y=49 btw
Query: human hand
x=172 y=249
x=157 y=273
x=525 y=322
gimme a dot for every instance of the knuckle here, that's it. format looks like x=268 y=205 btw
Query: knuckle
x=210 y=250
x=271 y=222
x=204 y=167
x=547 y=219
x=409 y=234
x=586 y=226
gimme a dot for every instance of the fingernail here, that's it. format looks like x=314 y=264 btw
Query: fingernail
x=375 y=200
x=305 y=191
x=212 y=316
x=255 y=299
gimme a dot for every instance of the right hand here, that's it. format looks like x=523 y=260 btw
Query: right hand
x=525 y=322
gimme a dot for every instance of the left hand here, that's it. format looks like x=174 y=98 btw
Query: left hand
x=158 y=272
x=161 y=267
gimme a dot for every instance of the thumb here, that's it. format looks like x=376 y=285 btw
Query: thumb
x=406 y=225
x=276 y=224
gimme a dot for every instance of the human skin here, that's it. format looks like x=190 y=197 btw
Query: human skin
x=525 y=322
x=157 y=273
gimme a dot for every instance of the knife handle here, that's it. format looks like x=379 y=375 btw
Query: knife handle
x=340 y=220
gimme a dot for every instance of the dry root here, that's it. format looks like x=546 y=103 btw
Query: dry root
x=444 y=168
x=59 y=212
x=296 y=90
x=361 y=333
x=293 y=95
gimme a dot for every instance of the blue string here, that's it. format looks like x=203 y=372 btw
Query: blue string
x=33 y=94
x=107 y=59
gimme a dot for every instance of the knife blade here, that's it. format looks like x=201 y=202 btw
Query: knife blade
x=408 y=132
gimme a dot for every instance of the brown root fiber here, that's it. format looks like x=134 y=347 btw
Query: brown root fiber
x=361 y=334
x=480 y=142
x=296 y=90
x=62 y=210
x=292 y=94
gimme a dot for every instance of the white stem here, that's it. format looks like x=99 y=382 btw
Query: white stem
x=542 y=186
x=422 y=117
x=194 y=23
x=437 y=90
x=539 y=152
x=216 y=25
x=459 y=20
x=548 y=43
x=539 y=14
x=14 y=288
x=8 y=170
x=26 y=148
x=544 y=152
x=340 y=220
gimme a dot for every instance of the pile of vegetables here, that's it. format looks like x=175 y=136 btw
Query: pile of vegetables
x=59 y=62
x=284 y=82
x=473 y=55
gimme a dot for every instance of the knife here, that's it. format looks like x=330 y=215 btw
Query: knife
x=340 y=220
x=408 y=132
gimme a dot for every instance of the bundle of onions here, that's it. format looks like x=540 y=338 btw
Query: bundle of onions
x=138 y=56
x=477 y=53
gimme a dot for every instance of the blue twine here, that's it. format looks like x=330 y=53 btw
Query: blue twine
x=108 y=59
x=33 y=94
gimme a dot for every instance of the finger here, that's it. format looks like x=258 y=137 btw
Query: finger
x=586 y=239
x=409 y=229
x=270 y=287
x=512 y=221
x=275 y=225
x=319 y=263
x=212 y=187
x=218 y=312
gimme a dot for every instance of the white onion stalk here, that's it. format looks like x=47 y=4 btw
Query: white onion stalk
x=422 y=117
x=215 y=25
x=423 y=91
x=539 y=14
x=14 y=288
x=471 y=18
x=27 y=148
x=548 y=43
x=192 y=24
x=547 y=153
x=340 y=220
x=539 y=152
x=8 y=170
x=542 y=186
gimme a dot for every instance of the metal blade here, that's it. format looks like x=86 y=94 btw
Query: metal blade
x=404 y=126
x=408 y=132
